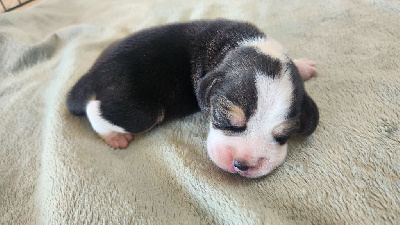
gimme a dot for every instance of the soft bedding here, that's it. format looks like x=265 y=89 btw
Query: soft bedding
x=55 y=170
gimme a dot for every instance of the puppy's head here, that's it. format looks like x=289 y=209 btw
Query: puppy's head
x=256 y=101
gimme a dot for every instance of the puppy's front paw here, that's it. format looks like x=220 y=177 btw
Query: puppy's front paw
x=306 y=68
x=118 y=140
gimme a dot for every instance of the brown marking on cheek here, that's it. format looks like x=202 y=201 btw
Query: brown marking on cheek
x=237 y=117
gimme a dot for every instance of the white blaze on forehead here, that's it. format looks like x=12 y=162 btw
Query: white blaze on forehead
x=267 y=46
x=273 y=104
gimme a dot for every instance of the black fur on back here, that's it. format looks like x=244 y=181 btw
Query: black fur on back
x=156 y=70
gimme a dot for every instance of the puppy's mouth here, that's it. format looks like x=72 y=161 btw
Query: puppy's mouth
x=246 y=173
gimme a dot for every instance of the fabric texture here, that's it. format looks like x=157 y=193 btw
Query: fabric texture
x=54 y=169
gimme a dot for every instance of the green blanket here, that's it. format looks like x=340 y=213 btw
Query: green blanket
x=55 y=170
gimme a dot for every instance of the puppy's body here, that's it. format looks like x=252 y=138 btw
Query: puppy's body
x=253 y=91
x=156 y=71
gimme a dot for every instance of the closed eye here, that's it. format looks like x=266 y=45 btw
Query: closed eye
x=282 y=139
x=229 y=128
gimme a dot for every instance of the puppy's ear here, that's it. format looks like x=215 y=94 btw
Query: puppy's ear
x=206 y=87
x=309 y=116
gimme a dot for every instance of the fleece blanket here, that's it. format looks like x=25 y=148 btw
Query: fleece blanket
x=55 y=170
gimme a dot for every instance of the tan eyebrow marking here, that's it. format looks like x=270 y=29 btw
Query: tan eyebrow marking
x=237 y=116
x=284 y=128
x=232 y=112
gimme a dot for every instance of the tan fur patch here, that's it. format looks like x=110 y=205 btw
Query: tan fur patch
x=237 y=116
x=267 y=46
x=284 y=128
x=272 y=48
x=232 y=112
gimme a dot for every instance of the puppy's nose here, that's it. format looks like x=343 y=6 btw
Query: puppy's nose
x=241 y=165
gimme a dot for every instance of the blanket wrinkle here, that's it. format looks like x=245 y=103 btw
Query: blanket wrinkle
x=55 y=170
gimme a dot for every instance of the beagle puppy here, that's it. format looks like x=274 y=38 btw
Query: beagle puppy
x=251 y=90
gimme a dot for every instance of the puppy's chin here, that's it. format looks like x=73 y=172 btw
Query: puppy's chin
x=262 y=158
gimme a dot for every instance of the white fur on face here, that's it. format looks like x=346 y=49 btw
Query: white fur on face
x=256 y=146
x=99 y=124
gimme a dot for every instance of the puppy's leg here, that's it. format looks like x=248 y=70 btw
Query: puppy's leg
x=115 y=120
x=306 y=68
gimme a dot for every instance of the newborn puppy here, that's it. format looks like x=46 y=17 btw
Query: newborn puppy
x=251 y=89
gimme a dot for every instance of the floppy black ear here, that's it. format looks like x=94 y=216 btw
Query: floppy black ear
x=309 y=116
x=206 y=87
